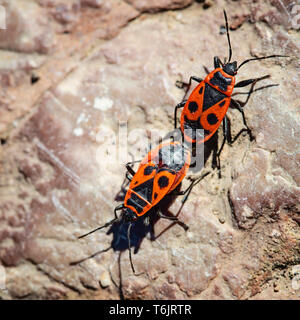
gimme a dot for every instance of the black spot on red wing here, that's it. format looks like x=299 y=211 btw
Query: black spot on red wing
x=211 y=97
x=201 y=90
x=193 y=106
x=148 y=170
x=155 y=195
x=212 y=118
x=219 y=80
x=221 y=104
x=163 y=182
x=136 y=182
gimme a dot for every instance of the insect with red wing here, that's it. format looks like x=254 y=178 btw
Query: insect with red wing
x=159 y=174
x=206 y=107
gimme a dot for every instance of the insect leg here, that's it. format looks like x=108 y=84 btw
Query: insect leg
x=129 y=169
x=226 y=136
x=258 y=89
x=131 y=162
x=247 y=82
x=238 y=106
x=175 y=219
x=119 y=207
x=180 y=105
x=188 y=190
x=128 y=176
x=182 y=84
x=225 y=129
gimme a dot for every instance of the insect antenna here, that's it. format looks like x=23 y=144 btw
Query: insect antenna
x=98 y=252
x=228 y=37
x=99 y=228
x=261 y=58
x=129 y=250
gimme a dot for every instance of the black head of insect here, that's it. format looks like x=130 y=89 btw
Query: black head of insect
x=128 y=215
x=230 y=68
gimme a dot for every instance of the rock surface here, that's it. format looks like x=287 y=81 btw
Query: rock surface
x=88 y=68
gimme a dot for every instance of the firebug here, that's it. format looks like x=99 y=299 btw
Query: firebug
x=159 y=174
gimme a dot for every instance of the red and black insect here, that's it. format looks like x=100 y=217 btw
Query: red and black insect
x=206 y=107
x=159 y=174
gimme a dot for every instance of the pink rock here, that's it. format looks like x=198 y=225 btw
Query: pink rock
x=15 y=68
x=64 y=11
x=23 y=34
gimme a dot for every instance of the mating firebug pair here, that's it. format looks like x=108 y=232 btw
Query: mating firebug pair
x=164 y=167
